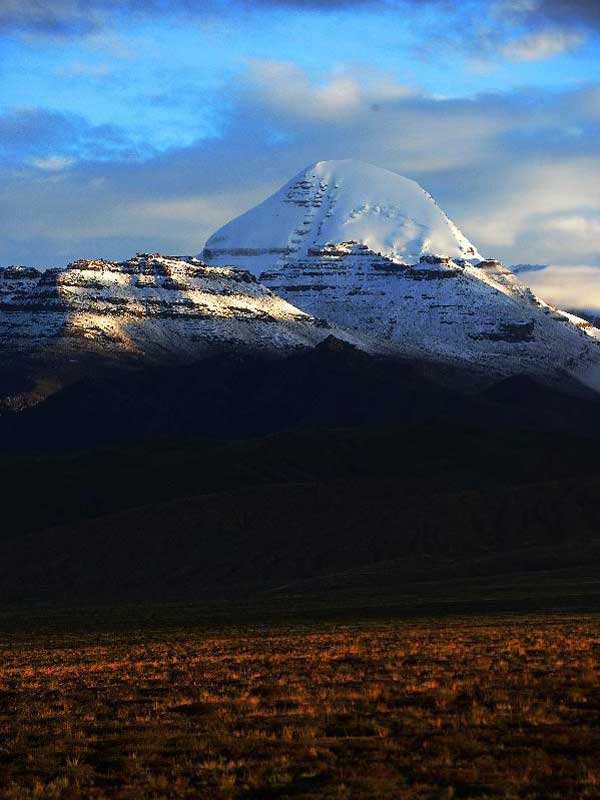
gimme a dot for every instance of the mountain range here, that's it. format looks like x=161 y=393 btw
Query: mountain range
x=344 y=248
x=339 y=399
x=58 y=325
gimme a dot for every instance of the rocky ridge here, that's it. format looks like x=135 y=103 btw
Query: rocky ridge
x=149 y=305
x=441 y=308
x=372 y=253
x=148 y=309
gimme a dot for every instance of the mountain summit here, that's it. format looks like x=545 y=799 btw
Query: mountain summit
x=340 y=201
x=371 y=252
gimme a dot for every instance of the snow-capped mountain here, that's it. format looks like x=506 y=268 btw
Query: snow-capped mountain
x=149 y=309
x=148 y=306
x=339 y=201
x=372 y=252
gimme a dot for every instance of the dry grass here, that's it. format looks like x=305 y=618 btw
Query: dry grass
x=507 y=708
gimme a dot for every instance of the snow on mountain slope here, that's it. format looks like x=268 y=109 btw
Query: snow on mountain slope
x=149 y=305
x=149 y=309
x=339 y=201
x=372 y=252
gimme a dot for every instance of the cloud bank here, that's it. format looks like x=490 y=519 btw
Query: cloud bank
x=569 y=286
x=540 y=45
x=518 y=172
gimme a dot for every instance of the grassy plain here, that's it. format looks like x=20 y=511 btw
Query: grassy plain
x=480 y=707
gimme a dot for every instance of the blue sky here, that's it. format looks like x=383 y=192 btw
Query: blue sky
x=128 y=125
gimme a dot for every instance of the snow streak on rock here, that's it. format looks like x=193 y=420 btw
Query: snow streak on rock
x=338 y=201
x=151 y=307
x=371 y=252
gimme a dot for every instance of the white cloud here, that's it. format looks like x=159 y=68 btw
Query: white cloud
x=584 y=230
x=519 y=184
x=541 y=45
x=285 y=89
x=568 y=286
x=533 y=213
x=52 y=163
x=186 y=213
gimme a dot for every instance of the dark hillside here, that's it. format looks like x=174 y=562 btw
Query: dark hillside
x=332 y=386
x=247 y=542
x=239 y=477
x=54 y=488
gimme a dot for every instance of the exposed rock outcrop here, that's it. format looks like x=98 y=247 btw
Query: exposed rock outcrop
x=148 y=309
x=371 y=252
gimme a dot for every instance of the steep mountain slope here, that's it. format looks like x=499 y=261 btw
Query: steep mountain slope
x=149 y=309
x=334 y=202
x=371 y=252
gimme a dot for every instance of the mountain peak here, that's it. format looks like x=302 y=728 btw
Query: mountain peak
x=340 y=201
x=353 y=168
x=332 y=344
x=371 y=252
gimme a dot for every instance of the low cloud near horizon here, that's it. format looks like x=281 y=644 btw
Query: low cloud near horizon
x=570 y=286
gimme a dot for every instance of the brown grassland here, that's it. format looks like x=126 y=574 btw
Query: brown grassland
x=507 y=707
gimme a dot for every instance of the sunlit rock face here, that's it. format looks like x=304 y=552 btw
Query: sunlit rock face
x=372 y=252
x=148 y=306
x=149 y=309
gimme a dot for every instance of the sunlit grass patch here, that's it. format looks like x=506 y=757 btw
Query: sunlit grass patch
x=502 y=708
